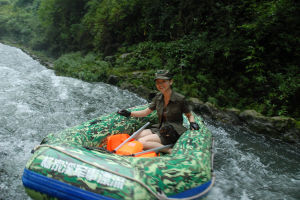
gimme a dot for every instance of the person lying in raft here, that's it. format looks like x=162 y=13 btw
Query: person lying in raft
x=170 y=106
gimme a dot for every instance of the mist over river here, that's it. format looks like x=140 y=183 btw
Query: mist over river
x=35 y=102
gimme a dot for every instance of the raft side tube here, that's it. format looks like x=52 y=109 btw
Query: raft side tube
x=54 y=188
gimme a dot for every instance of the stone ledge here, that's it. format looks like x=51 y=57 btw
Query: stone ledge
x=283 y=128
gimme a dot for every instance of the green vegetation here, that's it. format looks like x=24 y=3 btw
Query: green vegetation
x=242 y=54
x=88 y=67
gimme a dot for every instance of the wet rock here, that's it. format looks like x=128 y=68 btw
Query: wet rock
x=283 y=128
x=250 y=114
x=209 y=111
x=257 y=122
x=290 y=138
x=277 y=127
x=195 y=104
x=234 y=111
x=229 y=117
x=282 y=123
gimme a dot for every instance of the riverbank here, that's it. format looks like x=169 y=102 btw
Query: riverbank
x=283 y=128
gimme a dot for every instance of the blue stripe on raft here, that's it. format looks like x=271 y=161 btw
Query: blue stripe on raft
x=56 y=188
x=192 y=192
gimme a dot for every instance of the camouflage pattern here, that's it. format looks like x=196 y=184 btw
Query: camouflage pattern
x=187 y=167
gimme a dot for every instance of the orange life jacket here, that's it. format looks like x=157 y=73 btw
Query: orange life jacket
x=131 y=147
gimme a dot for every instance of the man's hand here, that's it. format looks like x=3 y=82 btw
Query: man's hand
x=125 y=113
x=194 y=126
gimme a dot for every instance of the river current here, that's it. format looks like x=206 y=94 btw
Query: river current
x=35 y=102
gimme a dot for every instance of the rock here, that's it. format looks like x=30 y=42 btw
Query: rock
x=234 y=111
x=127 y=86
x=208 y=108
x=112 y=79
x=292 y=136
x=195 y=103
x=209 y=111
x=276 y=127
x=138 y=75
x=257 y=122
x=250 y=114
x=49 y=65
x=282 y=123
x=229 y=118
x=124 y=55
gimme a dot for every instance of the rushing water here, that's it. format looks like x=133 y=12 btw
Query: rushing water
x=35 y=102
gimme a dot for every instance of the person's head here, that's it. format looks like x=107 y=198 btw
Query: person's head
x=163 y=80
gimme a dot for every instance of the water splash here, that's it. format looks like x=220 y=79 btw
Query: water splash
x=249 y=166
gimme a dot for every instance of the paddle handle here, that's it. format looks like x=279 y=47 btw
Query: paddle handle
x=132 y=136
x=154 y=149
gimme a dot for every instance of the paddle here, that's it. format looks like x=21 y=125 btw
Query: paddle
x=131 y=137
x=157 y=149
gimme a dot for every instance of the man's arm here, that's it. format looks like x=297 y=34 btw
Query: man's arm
x=193 y=124
x=141 y=113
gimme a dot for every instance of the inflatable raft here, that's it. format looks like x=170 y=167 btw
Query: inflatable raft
x=67 y=166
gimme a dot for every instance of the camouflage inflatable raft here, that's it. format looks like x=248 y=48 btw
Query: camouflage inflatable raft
x=62 y=167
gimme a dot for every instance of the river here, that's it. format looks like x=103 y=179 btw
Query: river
x=35 y=102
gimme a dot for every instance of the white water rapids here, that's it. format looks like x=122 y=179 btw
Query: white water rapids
x=35 y=102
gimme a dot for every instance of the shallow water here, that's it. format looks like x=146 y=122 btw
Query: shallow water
x=35 y=102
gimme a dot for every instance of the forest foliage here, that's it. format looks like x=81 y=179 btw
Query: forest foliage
x=241 y=54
